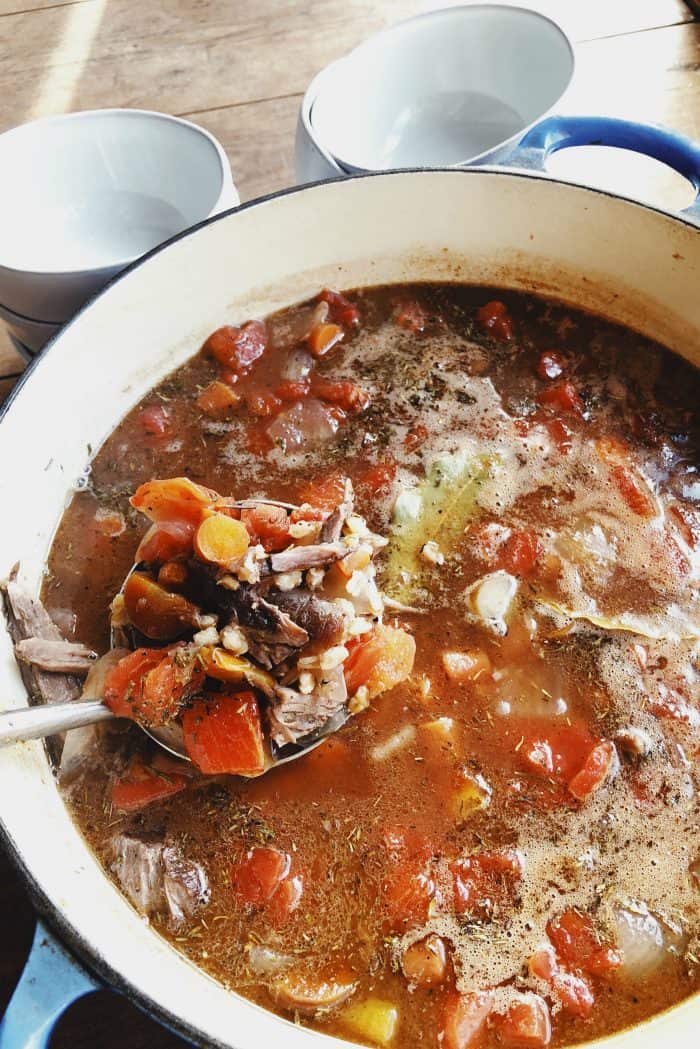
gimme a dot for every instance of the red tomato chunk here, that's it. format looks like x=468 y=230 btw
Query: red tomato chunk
x=155 y=420
x=238 y=348
x=495 y=319
x=526 y=1023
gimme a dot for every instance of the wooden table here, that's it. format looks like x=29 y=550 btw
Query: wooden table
x=239 y=68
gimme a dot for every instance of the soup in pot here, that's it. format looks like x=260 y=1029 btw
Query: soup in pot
x=501 y=844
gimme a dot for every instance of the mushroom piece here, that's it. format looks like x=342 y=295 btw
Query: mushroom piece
x=308 y=993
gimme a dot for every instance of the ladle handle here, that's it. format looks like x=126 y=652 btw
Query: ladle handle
x=45 y=720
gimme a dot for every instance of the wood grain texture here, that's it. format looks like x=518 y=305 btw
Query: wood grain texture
x=192 y=55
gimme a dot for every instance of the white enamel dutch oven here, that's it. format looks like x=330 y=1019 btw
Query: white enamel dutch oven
x=633 y=264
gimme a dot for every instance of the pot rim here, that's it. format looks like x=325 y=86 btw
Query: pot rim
x=89 y=953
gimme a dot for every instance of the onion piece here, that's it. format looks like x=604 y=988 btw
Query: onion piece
x=306 y=424
x=645 y=942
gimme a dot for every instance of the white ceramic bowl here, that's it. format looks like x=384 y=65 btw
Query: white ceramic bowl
x=87 y=193
x=507 y=229
x=32 y=334
x=454 y=86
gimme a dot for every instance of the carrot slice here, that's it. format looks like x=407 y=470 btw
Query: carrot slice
x=324 y=337
x=380 y=661
x=221 y=540
x=155 y=611
x=223 y=734
x=172 y=499
x=142 y=786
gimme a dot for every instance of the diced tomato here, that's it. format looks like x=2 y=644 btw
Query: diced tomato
x=520 y=552
x=268 y=525
x=290 y=390
x=560 y=434
x=379 y=660
x=415 y=438
x=550 y=365
x=407 y=892
x=141 y=786
x=223 y=734
x=571 y=991
x=557 y=752
x=258 y=441
x=482 y=881
x=285 y=900
x=155 y=420
x=347 y=395
x=378 y=479
x=563 y=396
x=466 y=1017
x=411 y=315
x=594 y=771
x=258 y=875
x=404 y=843
x=218 y=399
x=668 y=702
x=577 y=944
x=324 y=337
x=124 y=681
x=150 y=685
x=324 y=494
x=238 y=348
x=495 y=319
x=166 y=541
x=342 y=311
x=526 y=1023
x=172 y=499
x=263 y=404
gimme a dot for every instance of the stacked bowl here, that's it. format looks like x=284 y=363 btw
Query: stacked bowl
x=88 y=193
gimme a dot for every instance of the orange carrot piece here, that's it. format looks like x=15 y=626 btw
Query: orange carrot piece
x=218 y=399
x=223 y=734
x=221 y=540
x=324 y=337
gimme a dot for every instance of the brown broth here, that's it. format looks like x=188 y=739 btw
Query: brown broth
x=332 y=810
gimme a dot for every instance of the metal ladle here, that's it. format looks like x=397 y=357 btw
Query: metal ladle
x=45 y=719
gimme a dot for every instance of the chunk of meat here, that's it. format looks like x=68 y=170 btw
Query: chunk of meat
x=158 y=878
x=67 y=657
x=27 y=618
x=299 y=558
x=333 y=525
x=322 y=620
x=295 y=715
x=266 y=621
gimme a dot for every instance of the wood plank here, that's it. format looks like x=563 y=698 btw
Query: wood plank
x=93 y=54
x=13 y=7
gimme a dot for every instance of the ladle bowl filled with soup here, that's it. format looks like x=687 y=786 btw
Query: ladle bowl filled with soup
x=430 y=471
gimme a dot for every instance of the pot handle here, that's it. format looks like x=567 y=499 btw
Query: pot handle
x=50 y=982
x=558 y=132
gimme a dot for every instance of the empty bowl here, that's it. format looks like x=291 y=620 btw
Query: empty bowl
x=87 y=193
x=451 y=87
